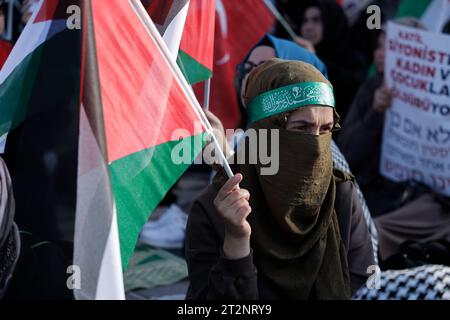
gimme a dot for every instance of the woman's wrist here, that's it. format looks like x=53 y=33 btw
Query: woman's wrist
x=236 y=248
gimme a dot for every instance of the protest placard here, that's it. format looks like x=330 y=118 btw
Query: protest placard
x=416 y=137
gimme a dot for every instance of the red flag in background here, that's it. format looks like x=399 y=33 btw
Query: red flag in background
x=239 y=26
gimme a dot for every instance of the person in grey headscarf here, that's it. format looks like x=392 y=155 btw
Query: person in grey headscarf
x=9 y=233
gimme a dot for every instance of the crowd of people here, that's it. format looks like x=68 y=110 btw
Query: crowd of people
x=312 y=230
x=260 y=247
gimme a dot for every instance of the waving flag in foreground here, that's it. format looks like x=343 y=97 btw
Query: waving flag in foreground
x=133 y=109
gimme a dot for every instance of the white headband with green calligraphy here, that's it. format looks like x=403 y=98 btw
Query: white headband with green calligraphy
x=290 y=97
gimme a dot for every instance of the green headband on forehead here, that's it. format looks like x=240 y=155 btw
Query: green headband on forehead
x=290 y=97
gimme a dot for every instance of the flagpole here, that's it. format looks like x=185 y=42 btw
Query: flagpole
x=154 y=34
x=281 y=19
x=206 y=98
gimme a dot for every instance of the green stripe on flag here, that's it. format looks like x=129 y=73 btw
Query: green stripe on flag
x=193 y=70
x=141 y=180
x=412 y=8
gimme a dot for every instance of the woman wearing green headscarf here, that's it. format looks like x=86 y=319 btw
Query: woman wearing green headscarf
x=295 y=234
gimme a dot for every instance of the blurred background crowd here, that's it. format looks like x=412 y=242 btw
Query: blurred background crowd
x=409 y=222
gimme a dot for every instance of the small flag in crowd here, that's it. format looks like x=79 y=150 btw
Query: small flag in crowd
x=169 y=17
x=195 y=57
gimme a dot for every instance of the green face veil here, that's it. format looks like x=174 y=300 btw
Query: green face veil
x=295 y=234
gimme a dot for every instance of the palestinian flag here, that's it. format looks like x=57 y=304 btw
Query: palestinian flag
x=169 y=17
x=195 y=57
x=137 y=125
x=434 y=14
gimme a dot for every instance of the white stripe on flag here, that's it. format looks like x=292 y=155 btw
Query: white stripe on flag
x=110 y=283
x=174 y=32
x=96 y=247
x=32 y=36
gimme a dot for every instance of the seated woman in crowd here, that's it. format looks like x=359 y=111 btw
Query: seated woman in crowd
x=297 y=234
x=323 y=28
x=402 y=211
x=9 y=233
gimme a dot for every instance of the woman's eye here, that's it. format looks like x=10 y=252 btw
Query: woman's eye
x=325 y=130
